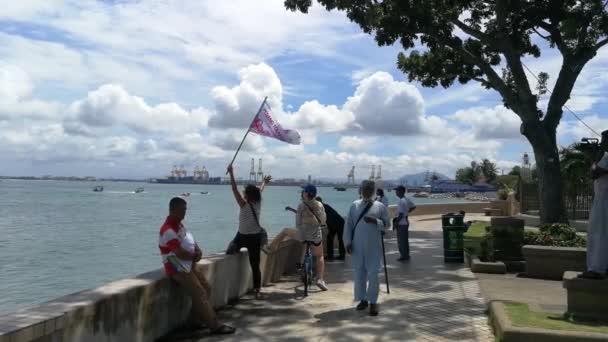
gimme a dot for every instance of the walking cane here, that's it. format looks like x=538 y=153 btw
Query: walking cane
x=388 y=290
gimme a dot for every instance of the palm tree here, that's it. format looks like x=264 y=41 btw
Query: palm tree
x=576 y=177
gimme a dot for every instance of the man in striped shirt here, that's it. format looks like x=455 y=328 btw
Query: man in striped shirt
x=180 y=253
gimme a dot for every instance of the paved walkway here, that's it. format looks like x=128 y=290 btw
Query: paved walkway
x=429 y=301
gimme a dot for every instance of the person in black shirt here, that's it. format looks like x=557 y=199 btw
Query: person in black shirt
x=335 y=226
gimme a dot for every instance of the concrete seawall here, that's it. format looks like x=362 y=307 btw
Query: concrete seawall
x=141 y=308
x=149 y=305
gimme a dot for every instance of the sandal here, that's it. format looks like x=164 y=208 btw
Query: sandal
x=223 y=330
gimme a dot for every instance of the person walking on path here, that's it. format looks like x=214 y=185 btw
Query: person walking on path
x=250 y=235
x=597 y=241
x=335 y=228
x=365 y=225
x=180 y=253
x=402 y=223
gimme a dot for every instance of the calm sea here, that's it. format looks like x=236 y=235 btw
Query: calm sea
x=61 y=237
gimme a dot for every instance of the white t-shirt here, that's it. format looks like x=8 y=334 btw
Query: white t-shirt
x=404 y=207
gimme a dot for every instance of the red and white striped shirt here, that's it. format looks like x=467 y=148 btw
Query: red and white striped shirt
x=173 y=235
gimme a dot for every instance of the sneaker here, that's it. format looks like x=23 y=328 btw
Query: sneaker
x=362 y=305
x=404 y=259
x=321 y=285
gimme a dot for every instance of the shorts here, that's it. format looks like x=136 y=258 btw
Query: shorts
x=311 y=233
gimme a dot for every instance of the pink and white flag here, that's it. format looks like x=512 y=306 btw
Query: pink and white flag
x=265 y=125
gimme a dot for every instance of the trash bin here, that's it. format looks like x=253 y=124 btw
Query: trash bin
x=453 y=229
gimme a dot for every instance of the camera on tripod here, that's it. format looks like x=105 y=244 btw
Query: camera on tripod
x=590 y=146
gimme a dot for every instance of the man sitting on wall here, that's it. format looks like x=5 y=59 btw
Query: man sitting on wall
x=180 y=254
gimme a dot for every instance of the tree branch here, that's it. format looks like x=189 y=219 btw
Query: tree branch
x=556 y=36
x=568 y=74
x=600 y=44
x=540 y=35
x=513 y=58
x=472 y=32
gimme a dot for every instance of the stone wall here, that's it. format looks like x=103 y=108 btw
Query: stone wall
x=141 y=308
x=444 y=208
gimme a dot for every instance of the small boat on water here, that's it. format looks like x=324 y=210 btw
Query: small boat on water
x=138 y=190
x=422 y=194
x=98 y=188
x=204 y=192
x=340 y=188
x=185 y=194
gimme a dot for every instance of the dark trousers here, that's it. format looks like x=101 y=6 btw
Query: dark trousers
x=253 y=243
x=332 y=232
x=403 y=239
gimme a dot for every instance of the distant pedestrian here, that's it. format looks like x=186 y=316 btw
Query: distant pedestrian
x=180 y=253
x=597 y=239
x=250 y=235
x=366 y=222
x=381 y=198
x=335 y=228
x=402 y=224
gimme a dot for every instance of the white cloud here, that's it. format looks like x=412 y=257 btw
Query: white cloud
x=354 y=143
x=382 y=105
x=490 y=123
x=313 y=115
x=111 y=105
x=235 y=107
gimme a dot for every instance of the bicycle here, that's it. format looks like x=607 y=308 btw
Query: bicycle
x=307 y=271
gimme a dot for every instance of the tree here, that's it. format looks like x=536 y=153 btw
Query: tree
x=470 y=174
x=488 y=169
x=465 y=175
x=515 y=171
x=485 y=42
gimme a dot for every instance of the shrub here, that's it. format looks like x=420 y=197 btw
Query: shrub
x=502 y=194
x=557 y=235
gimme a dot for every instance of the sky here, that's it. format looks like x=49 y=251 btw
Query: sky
x=128 y=89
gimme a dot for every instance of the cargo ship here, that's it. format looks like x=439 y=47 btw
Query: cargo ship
x=179 y=175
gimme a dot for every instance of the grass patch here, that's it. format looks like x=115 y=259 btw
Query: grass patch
x=473 y=237
x=477 y=229
x=521 y=316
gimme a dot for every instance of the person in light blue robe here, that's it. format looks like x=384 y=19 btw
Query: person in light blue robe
x=597 y=233
x=363 y=240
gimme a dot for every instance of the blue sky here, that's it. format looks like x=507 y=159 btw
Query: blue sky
x=131 y=88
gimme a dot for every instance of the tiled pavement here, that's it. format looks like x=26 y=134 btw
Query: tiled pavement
x=429 y=301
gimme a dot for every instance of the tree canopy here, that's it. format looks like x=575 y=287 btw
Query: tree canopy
x=486 y=42
x=469 y=40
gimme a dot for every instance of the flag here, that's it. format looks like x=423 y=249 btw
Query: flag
x=265 y=125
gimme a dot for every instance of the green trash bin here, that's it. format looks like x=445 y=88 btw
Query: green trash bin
x=453 y=230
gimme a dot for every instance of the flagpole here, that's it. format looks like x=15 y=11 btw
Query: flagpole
x=248 y=129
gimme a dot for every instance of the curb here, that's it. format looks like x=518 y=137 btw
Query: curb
x=506 y=332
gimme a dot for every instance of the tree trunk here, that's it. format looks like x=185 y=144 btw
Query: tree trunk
x=550 y=187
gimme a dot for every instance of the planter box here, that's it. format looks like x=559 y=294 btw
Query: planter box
x=478 y=266
x=546 y=262
x=508 y=234
x=586 y=297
